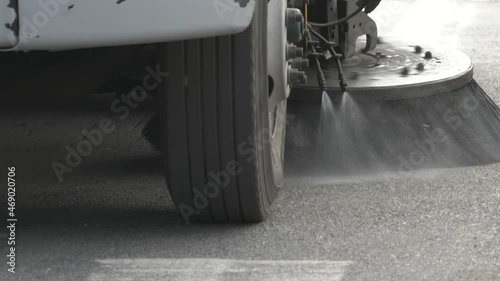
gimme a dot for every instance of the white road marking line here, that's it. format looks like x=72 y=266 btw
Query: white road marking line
x=217 y=270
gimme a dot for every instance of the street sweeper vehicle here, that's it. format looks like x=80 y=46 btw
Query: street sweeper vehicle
x=229 y=67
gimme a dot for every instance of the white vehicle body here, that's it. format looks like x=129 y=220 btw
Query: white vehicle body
x=70 y=24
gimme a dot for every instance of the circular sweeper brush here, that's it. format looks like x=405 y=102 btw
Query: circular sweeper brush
x=392 y=72
x=405 y=109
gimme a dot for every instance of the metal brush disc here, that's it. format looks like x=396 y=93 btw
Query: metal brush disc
x=381 y=74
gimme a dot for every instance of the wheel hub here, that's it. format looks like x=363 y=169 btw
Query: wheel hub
x=285 y=26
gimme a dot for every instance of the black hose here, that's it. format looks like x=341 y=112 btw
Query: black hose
x=320 y=74
x=319 y=36
x=342 y=20
x=342 y=80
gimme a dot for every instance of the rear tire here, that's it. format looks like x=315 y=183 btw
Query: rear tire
x=223 y=149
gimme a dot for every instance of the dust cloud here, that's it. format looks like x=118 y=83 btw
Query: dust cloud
x=343 y=139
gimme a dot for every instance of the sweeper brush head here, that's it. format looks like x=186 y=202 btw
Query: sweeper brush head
x=407 y=108
x=392 y=72
x=395 y=137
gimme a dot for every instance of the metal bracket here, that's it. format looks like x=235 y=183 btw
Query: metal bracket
x=358 y=26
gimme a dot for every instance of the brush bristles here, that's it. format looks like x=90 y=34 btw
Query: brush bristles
x=458 y=128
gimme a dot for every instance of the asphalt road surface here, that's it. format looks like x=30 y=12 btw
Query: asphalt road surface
x=111 y=218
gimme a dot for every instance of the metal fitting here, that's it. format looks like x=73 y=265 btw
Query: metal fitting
x=294 y=25
x=428 y=55
x=300 y=63
x=421 y=67
x=418 y=50
x=293 y=51
x=293 y=16
x=296 y=77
